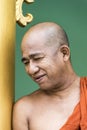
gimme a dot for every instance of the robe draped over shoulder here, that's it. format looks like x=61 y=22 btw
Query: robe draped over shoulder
x=78 y=119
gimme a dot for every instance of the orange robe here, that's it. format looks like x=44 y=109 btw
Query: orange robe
x=78 y=119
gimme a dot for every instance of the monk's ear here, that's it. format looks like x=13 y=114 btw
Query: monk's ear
x=64 y=49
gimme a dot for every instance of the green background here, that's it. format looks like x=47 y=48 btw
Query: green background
x=72 y=16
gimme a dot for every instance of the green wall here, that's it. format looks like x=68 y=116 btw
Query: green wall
x=72 y=15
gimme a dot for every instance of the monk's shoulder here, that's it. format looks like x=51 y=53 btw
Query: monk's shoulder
x=28 y=100
x=22 y=106
x=22 y=110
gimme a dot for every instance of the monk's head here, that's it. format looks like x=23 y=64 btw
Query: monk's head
x=46 y=54
x=52 y=34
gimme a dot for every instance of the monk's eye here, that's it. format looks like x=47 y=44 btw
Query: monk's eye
x=26 y=62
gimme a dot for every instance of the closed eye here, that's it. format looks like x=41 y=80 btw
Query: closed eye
x=25 y=61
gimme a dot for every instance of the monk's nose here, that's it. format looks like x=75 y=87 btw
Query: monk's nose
x=32 y=68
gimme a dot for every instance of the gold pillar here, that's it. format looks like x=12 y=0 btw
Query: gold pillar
x=7 y=57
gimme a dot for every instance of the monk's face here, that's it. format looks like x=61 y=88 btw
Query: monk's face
x=43 y=63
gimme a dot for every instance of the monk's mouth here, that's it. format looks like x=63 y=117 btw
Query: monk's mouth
x=39 y=78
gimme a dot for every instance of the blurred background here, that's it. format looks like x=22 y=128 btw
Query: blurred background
x=72 y=16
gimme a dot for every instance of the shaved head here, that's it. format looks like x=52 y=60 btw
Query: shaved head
x=45 y=46
x=53 y=33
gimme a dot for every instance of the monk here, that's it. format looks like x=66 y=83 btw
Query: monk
x=60 y=103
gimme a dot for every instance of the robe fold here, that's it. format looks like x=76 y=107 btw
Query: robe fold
x=78 y=119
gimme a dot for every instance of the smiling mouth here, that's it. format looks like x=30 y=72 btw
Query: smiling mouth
x=39 y=78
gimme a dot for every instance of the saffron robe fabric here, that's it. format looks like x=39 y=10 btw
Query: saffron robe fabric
x=78 y=119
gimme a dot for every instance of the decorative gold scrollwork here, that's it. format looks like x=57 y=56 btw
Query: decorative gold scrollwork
x=20 y=18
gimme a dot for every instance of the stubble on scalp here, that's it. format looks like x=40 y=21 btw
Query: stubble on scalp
x=54 y=33
x=56 y=36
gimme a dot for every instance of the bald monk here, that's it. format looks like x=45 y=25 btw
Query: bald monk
x=60 y=103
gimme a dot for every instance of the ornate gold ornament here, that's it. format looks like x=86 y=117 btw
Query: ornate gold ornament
x=20 y=18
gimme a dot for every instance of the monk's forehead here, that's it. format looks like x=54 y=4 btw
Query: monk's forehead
x=38 y=36
x=33 y=40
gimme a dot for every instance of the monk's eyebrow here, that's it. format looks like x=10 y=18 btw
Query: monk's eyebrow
x=35 y=54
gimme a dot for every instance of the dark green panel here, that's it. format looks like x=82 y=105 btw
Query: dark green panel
x=72 y=15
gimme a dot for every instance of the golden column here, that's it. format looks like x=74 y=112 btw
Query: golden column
x=7 y=57
x=8 y=19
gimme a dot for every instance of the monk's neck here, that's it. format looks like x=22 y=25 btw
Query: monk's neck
x=71 y=86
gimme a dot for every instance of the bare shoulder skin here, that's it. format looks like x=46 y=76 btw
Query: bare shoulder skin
x=22 y=112
x=20 y=117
